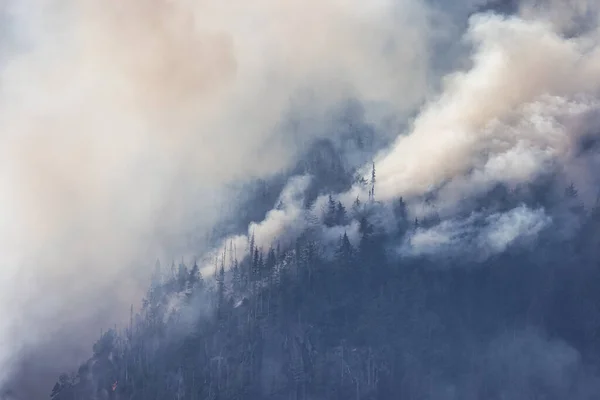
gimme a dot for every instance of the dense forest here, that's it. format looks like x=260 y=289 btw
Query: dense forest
x=366 y=318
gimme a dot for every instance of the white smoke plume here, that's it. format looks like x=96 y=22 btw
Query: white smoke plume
x=506 y=119
x=521 y=109
x=477 y=236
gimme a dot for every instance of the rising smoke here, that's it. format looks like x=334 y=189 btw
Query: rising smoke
x=521 y=110
x=123 y=123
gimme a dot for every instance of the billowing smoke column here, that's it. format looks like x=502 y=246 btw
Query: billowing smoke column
x=522 y=108
x=521 y=112
x=506 y=119
x=122 y=123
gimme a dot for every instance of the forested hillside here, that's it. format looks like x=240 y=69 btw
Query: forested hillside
x=362 y=319
x=300 y=199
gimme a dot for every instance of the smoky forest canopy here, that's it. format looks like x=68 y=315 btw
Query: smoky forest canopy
x=349 y=310
x=299 y=200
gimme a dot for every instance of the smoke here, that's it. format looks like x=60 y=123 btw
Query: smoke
x=523 y=108
x=123 y=123
x=524 y=363
x=505 y=120
x=479 y=235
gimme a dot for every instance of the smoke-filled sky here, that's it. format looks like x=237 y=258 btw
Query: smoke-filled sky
x=521 y=107
x=122 y=125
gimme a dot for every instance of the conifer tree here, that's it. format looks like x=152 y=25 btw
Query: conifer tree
x=330 y=214
x=220 y=278
x=195 y=277
x=340 y=214
x=373 y=183
x=345 y=251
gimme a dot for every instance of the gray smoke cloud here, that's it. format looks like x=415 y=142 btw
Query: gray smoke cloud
x=122 y=124
x=519 y=109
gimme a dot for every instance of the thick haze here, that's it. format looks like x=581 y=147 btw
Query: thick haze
x=123 y=123
x=524 y=105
